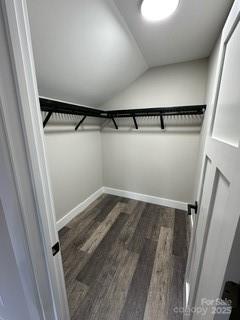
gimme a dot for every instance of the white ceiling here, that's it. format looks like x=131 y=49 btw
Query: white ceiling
x=86 y=51
x=189 y=34
x=83 y=51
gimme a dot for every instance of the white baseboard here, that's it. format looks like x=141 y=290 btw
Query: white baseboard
x=121 y=193
x=143 y=197
x=79 y=208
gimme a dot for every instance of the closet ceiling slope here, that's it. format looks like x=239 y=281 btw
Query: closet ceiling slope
x=189 y=34
x=86 y=52
x=83 y=51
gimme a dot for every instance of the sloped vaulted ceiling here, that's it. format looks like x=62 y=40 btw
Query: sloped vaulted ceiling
x=86 y=51
x=83 y=50
x=189 y=34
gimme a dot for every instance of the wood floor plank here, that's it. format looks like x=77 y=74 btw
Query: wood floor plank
x=157 y=300
x=91 y=270
x=129 y=228
x=79 y=228
x=91 y=244
x=134 y=306
x=73 y=263
x=88 y=232
x=106 y=206
x=167 y=216
x=143 y=230
x=176 y=288
x=99 y=287
x=130 y=206
x=63 y=232
x=180 y=236
x=125 y=200
x=115 y=297
x=76 y=295
x=86 y=212
x=64 y=235
x=152 y=232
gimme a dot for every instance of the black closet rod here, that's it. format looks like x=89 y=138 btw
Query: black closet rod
x=67 y=108
x=53 y=106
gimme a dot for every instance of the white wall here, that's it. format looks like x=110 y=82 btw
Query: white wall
x=155 y=164
x=177 y=84
x=75 y=166
x=159 y=164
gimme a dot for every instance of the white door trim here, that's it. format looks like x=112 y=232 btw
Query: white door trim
x=29 y=117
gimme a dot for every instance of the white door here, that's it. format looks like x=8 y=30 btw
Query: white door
x=219 y=203
x=9 y=278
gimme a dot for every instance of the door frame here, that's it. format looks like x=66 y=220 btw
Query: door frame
x=229 y=27
x=23 y=124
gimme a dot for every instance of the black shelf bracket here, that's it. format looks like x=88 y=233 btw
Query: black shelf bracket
x=135 y=122
x=80 y=122
x=47 y=118
x=115 y=124
x=162 y=122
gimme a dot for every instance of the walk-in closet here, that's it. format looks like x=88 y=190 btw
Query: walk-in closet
x=132 y=158
x=123 y=101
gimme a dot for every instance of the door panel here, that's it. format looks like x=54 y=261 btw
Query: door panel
x=202 y=228
x=226 y=126
x=212 y=271
x=11 y=289
x=220 y=204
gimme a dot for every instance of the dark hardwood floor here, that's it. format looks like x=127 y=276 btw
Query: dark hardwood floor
x=125 y=260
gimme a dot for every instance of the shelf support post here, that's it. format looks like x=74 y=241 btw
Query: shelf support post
x=162 y=122
x=80 y=122
x=115 y=124
x=135 y=122
x=47 y=118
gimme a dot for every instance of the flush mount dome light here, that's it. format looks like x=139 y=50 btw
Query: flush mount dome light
x=156 y=10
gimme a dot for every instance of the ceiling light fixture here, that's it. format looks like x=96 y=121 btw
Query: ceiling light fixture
x=156 y=10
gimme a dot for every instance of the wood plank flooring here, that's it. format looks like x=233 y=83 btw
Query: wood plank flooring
x=125 y=260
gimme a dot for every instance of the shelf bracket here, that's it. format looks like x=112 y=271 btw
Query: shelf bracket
x=162 y=122
x=47 y=118
x=135 y=122
x=80 y=122
x=115 y=124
